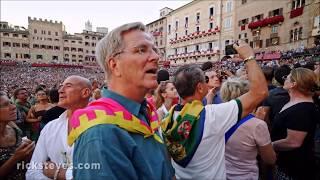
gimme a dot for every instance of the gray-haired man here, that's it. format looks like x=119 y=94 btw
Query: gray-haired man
x=120 y=131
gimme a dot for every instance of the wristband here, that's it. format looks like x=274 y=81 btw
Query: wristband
x=251 y=58
x=56 y=173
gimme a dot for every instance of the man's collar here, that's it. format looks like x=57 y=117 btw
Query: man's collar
x=132 y=106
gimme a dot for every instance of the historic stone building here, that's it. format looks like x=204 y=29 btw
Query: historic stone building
x=46 y=41
x=270 y=26
x=158 y=29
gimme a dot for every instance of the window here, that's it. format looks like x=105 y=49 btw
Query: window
x=297 y=4
x=186 y=32
x=73 y=56
x=73 y=41
x=80 y=50
x=316 y=21
x=93 y=38
x=210 y=45
x=211 y=12
x=24 y=36
x=54 y=57
x=198 y=29
x=87 y=37
x=25 y=45
x=15 y=44
x=43 y=46
x=243 y=1
x=73 y=49
x=56 y=48
x=56 y=39
x=66 y=48
x=227 y=23
x=296 y=34
x=86 y=44
x=56 y=33
x=176 y=51
x=177 y=25
x=80 y=42
x=49 y=32
x=35 y=31
x=93 y=52
x=197 y=47
x=276 y=12
x=169 y=29
x=229 y=7
x=26 y=56
x=160 y=42
x=211 y=25
x=7 y=55
x=274 y=29
x=66 y=41
x=50 y=47
x=15 y=35
x=66 y=55
x=186 y=22
x=257 y=17
x=35 y=45
x=6 y=34
x=176 y=36
x=198 y=18
x=185 y=50
x=39 y=56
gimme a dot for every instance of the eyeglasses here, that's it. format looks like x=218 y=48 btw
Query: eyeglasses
x=140 y=50
x=284 y=77
x=207 y=79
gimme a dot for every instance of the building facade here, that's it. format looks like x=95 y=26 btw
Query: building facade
x=280 y=26
x=46 y=41
x=194 y=32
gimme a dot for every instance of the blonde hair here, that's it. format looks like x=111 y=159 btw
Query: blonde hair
x=158 y=93
x=306 y=80
x=233 y=88
x=96 y=94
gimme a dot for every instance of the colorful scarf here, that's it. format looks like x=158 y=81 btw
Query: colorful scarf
x=108 y=111
x=183 y=134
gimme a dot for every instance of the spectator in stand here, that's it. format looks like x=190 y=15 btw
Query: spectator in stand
x=20 y=96
x=278 y=97
x=13 y=148
x=166 y=97
x=214 y=83
x=55 y=111
x=52 y=149
x=194 y=134
x=294 y=127
x=123 y=117
x=248 y=138
x=268 y=74
x=36 y=113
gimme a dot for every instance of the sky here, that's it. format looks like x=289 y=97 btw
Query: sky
x=74 y=13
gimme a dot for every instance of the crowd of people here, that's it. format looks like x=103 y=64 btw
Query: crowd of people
x=226 y=120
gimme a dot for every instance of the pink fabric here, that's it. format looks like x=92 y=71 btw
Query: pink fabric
x=109 y=106
x=242 y=149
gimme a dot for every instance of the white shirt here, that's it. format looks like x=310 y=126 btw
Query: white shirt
x=52 y=144
x=208 y=161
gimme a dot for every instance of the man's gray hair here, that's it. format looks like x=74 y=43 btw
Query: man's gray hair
x=187 y=78
x=113 y=43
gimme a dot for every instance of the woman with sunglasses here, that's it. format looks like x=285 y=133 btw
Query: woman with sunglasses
x=294 y=127
x=37 y=111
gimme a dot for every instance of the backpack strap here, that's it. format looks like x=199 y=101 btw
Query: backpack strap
x=235 y=127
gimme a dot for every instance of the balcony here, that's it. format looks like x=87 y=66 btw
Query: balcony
x=267 y=21
x=155 y=34
x=195 y=35
x=194 y=54
x=296 y=12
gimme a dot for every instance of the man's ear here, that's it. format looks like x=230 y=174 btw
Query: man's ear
x=114 y=65
x=86 y=92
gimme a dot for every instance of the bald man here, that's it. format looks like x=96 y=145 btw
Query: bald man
x=52 y=150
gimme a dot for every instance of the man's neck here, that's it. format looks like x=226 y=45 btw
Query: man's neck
x=128 y=91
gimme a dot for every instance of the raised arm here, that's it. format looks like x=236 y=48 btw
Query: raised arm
x=258 y=89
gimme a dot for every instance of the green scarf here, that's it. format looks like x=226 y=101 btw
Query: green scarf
x=183 y=134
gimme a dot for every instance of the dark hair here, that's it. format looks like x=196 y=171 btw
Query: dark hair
x=282 y=71
x=16 y=92
x=268 y=73
x=206 y=66
x=54 y=95
x=162 y=75
x=309 y=65
x=187 y=78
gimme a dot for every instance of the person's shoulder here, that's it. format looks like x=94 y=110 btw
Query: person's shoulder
x=52 y=125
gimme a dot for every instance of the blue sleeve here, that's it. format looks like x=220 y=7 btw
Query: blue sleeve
x=107 y=147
